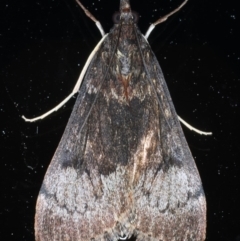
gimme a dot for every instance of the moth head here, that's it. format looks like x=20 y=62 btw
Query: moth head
x=125 y=15
x=117 y=17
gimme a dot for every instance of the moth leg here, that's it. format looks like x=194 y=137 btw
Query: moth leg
x=92 y=17
x=75 y=89
x=192 y=128
x=162 y=19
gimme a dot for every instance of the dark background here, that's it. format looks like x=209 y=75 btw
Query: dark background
x=44 y=45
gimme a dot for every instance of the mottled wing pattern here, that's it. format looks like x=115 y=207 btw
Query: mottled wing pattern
x=78 y=197
x=123 y=166
x=170 y=201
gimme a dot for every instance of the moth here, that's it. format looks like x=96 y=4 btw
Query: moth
x=123 y=168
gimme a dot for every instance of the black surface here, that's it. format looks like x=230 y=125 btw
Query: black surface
x=44 y=45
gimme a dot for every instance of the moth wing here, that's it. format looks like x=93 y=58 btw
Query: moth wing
x=83 y=194
x=169 y=198
x=123 y=166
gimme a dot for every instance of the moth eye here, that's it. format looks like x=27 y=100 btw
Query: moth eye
x=135 y=16
x=116 y=17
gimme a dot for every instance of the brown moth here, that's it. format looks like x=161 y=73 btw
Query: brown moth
x=123 y=168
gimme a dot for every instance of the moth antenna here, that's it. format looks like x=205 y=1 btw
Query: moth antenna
x=75 y=89
x=90 y=15
x=192 y=128
x=163 y=19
